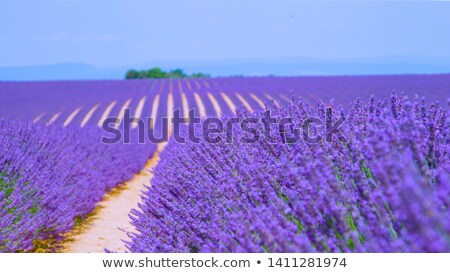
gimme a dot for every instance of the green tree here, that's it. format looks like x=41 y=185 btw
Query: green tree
x=177 y=73
x=132 y=74
x=156 y=73
x=142 y=74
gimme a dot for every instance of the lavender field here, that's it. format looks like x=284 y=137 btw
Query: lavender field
x=84 y=103
x=386 y=188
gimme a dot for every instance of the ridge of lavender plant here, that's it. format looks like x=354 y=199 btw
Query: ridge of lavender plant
x=385 y=190
x=50 y=176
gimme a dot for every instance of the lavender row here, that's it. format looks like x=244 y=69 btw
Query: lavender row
x=50 y=176
x=385 y=189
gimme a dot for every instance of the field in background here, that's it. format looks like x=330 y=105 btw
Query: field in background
x=88 y=103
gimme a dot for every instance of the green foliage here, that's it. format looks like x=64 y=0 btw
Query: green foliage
x=132 y=74
x=177 y=73
x=8 y=183
x=7 y=186
x=142 y=74
x=155 y=73
x=158 y=73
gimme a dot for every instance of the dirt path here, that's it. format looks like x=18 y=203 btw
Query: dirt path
x=109 y=223
x=106 y=227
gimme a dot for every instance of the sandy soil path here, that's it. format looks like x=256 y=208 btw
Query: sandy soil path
x=108 y=225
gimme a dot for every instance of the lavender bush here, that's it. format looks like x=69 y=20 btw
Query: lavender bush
x=387 y=189
x=49 y=176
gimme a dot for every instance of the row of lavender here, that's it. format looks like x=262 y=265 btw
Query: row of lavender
x=50 y=176
x=385 y=189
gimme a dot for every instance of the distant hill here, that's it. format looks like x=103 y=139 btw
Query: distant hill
x=59 y=72
x=278 y=67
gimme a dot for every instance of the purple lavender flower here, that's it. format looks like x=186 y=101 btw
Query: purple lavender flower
x=384 y=190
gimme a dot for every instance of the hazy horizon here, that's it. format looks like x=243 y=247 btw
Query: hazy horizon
x=264 y=36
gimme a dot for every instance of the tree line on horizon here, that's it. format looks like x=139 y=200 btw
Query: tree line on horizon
x=158 y=73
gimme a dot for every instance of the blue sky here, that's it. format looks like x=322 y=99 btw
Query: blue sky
x=126 y=32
